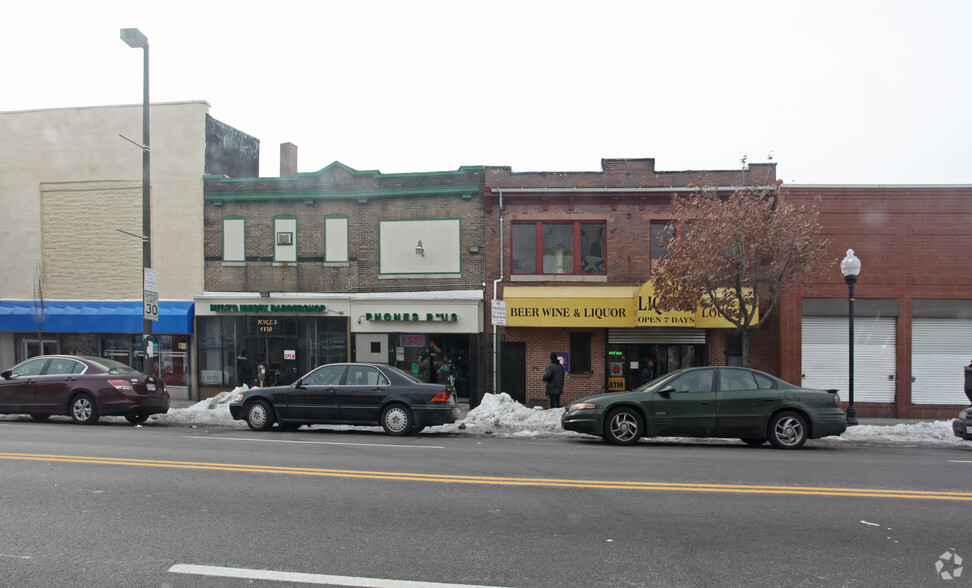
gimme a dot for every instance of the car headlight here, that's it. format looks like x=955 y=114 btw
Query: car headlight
x=583 y=406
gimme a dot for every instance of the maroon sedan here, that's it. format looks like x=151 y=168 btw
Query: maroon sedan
x=84 y=388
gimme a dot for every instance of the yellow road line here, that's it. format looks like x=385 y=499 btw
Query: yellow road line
x=500 y=481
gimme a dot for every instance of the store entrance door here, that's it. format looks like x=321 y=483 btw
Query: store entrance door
x=513 y=370
x=280 y=357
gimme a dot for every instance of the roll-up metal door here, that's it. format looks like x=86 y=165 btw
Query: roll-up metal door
x=679 y=335
x=940 y=350
x=825 y=361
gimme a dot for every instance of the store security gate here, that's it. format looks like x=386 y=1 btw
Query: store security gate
x=825 y=356
x=940 y=350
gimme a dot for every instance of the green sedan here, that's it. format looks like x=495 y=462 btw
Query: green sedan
x=730 y=402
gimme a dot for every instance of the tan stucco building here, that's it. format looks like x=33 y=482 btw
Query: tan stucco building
x=70 y=183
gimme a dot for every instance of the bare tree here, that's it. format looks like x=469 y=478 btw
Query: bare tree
x=39 y=305
x=738 y=254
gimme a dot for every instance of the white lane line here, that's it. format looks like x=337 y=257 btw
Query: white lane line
x=320 y=579
x=317 y=442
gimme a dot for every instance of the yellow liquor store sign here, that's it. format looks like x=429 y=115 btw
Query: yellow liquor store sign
x=593 y=306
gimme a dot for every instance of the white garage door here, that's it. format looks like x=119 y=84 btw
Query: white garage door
x=825 y=361
x=940 y=350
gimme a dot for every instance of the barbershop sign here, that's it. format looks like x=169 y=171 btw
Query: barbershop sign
x=607 y=306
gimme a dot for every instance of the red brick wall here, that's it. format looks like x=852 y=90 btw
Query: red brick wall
x=913 y=242
x=539 y=343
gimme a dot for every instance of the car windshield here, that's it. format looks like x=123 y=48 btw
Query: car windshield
x=113 y=367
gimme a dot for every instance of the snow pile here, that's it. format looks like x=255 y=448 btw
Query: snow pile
x=210 y=412
x=499 y=414
x=918 y=434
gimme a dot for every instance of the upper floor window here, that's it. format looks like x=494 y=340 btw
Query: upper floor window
x=659 y=230
x=335 y=238
x=285 y=239
x=558 y=248
x=234 y=239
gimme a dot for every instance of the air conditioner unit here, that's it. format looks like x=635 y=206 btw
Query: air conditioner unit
x=285 y=238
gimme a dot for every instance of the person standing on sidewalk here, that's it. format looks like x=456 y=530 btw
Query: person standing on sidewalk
x=554 y=377
x=968 y=381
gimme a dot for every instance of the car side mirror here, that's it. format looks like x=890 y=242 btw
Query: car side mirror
x=6 y=375
x=667 y=391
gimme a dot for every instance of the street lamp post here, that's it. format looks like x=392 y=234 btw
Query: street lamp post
x=850 y=266
x=137 y=40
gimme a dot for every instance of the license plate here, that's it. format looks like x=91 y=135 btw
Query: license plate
x=150 y=387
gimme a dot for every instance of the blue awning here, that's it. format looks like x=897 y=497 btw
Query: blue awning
x=95 y=316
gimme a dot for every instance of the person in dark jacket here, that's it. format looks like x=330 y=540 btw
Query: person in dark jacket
x=554 y=377
x=968 y=381
x=425 y=367
x=244 y=372
x=648 y=372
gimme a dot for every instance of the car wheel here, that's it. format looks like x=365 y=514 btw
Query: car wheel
x=623 y=427
x=753 y=441
x=84 y=411
x=260 y=415
x=396 y=419
x=40 y=417
x=137 y=419
x=787 y=430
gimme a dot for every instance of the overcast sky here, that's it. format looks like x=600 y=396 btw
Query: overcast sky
x=836 y=92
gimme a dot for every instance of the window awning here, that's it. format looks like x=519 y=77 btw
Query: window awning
x=94 y=316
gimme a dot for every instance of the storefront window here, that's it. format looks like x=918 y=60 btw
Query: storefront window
x=626 y=360
x=217 y=343
x=118 y=348
x=580 y=353
x=326 y=342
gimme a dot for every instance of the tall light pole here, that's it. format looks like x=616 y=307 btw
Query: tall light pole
x=137 y=40
x=850 y=266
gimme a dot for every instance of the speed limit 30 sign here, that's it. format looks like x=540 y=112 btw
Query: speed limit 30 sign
x=150 y=305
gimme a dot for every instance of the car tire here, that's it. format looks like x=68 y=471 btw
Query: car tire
x=787 y=430
x=84 y=410
x=753 y=441
x=137 y=419
x=623 y=426
x=260 y=415
x=40 y=417
x=396 y=419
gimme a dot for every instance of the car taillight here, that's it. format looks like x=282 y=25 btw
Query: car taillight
x=123 y=385
x=442 y=397
x=837 y=400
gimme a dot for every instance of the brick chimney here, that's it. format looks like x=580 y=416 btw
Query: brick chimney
x=288 y=160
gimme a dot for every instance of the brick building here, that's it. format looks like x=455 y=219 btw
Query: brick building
x=571 y=254
x=913 y=300
x=340 y=265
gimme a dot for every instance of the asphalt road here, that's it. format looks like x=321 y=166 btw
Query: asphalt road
x=115 y=505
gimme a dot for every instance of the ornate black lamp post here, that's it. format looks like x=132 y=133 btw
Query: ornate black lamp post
x=850 y=266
